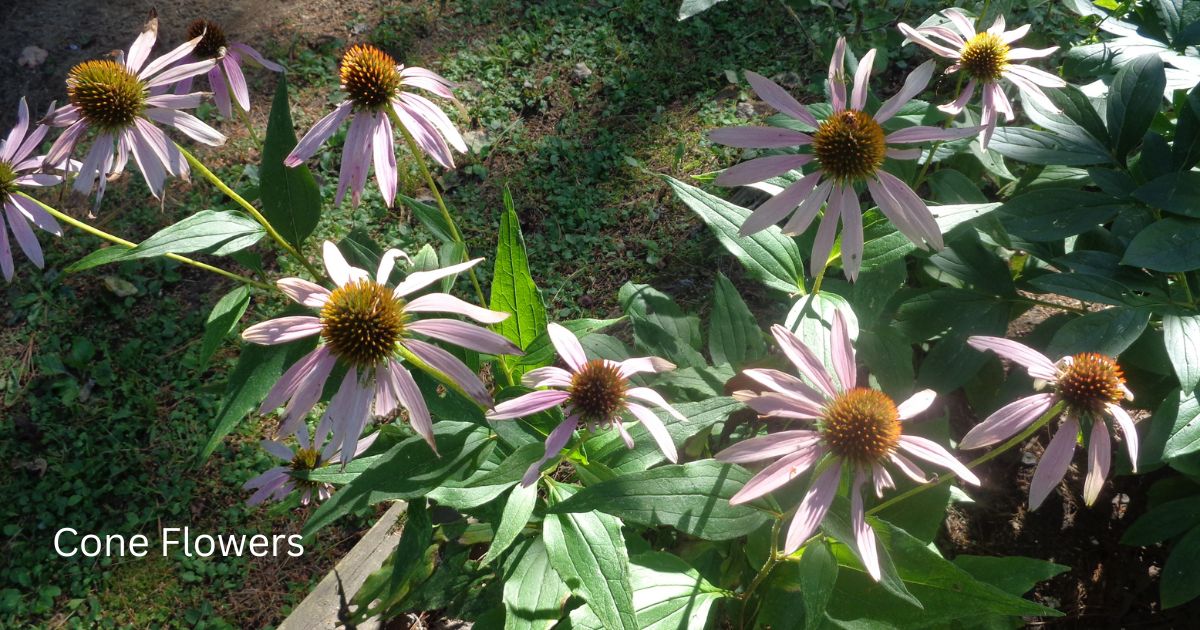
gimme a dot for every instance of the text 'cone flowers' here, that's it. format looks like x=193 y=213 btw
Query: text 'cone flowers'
x=848 y=149
x=857 y=430
x=1090 y=386
x=595 y=393
x=363 y=324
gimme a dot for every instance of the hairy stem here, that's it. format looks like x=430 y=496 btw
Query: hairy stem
x=95 y=231
x=764 y=572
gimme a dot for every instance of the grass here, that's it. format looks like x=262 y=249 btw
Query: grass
x=576 y=106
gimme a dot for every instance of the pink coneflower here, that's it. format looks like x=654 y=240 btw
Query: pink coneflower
x=278 y=482
x=849 y=148
x=986 y=59
x=17 y=170
x=362 y=324
x=114 y=98
x=593 y=392
x=858 y=429
x=226 y=76
x=1091 y=387
x=374 y=83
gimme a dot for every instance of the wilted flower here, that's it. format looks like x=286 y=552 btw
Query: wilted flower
x=1091 y=387
x=362 y=324
x=986 y=58
x=226 y=76
x=279 y=481
x=374 y=83
x=857 y=428
x=594 y=392
x=114 y=98
x=849 y=148
x=18 y=169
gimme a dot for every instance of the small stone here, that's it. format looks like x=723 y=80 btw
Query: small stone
x=32 y=57
x=1028 y=458
x=120 y=286
x=581 y=72
x=788 y=79
x=1153 y=571
x=746 y=110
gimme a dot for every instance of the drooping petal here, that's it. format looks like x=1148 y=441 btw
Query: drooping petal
x=955 y=108
x=843 y=352
x=555 y=442
x=465 y=335
x=656 y=429
x=36 y=214
x=827 y=232
x=148 y=163
x=917 y=211
x=1021 y=54
x=243 y=49
x=1033 y=361
x=446 y=303
x=278 y=450
x=852 y=233
x=317 y=136
x=881 y=479
x=385 y=159
x=427 y=80
x=1055 y=462
x=287 y=384
x=1008 y=421
x=1038 y=77
x=24 y=235
x=864 y=536
x=191 y=126
x=805 y=361
x=779 y=473
x=6 y=259
x=13 y=142
x=1128 y=432
x=282 y=329
x=777 y=97
x=356 y=157
x=813 y=508
x=567 y=345
x=762 y=168
x=776 y=208
x=304 y=292
x=914 y=84
x=452 y=367
x=931 y=451
x=907 y=467
x=237 y=81
x=435 y=117
x=767 y=446
x=414 y=402
x=646 y=394
x=916 y=403
x=425 y=133
x=759 y=137
x=1099 y=458
x=527 y=404
x=809 y=207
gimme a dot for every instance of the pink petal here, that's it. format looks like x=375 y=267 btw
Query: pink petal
x=1099 y=458
x=277 y=449
x=24 y=235
x=911 y=135
x=997 y=27
x=808 y=207
x=176 y=101
x=304 y=292
x=864 y=536
x=465 y=335
x=852 y=234
x=908 y=468
x=916 y=209
x=6 y=260
x=1014 y=35
x=149 y=165
x=427 y=80
x=527 y=404
x=1034 y=362
x=555 y=442
x=656 y=429
x=317 y=136
x=446 y=303
x=961 y=22
x=894 y=211
x=421 y=279
x=237 y=81
x=548 y=376
x=410 y=396
x=778 y=405
x=387 y=263
x=760 y=169
x=287 y=384
x=178 y=73
x=452 y=367
x=1021 y=54
x=776 y=97
x=827 y=232
x=777 y=207
x=646 y=394
x=1008 y=421
x=805 y=361
x=338 y=269
x=243 y=49
x=813 y=508
x=435 y=117
x=425 y=133
x=779 y=473
x=931 y=451
x=142 y=45
x=1055 y=462
x=882 y=479
x=385 y=159
x=220 y=92
x=13 y=141
x=837 y=76
x=168 y=60
x=282 y=330
x=858 y=97
x=843 y=352
x=1128 y=432
x=919 y=38
x=768 y=446
x=759 y=137
x=653 y=365
x=36 y=214
x=914 y=84
x=916 y=403
x=789 y=386
x=191 y=126
x=959 y=103
x=567 y=345
x=356 y=157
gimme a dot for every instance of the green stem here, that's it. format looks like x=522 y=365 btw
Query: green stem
x=764 y=572
x=1037 y=302
x=820 y=278
x=251 y=210
x=1187 y=289
x=986 y=457
x=94 y=231
x=441 y=203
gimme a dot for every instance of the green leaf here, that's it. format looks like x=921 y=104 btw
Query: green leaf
x=1178 y=193
x=1108 y=332
x=1185 y=430
x=485 y=485
x=1181 y=332
x=256 y=372
x=817 y=574
x=103 y=256
x=291 y=199
x=768 y=256
x=430 y=217
x=1042 y=147
x=659 y=325
x=1169 y=245
x=403 y=570
x=1185 y=150
x=888 y=356
x=1084 y=286
x=224 y=316
x=733 y=333
x=588 y=552
x=534 y=595
x=1133 y=101
x=517 y=512
x=1077 y=107
x=1056 y=213
x=540 y=352
x=408 y=470
x=692 y=7
x=667 y=595
x=811 y=318
x=1180 y=579
x=1016 y=575
x=513 y=289
x=693 y=498
x=1163 y=522
x=216 y=232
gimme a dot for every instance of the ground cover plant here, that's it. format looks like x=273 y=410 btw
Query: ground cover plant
x=946 y=238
